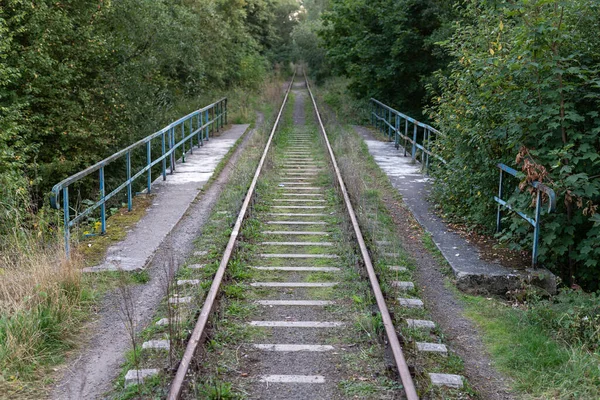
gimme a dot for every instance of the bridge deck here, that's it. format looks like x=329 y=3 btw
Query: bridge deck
x=172 y=199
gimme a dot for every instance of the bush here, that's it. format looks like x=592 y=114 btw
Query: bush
x=524 y=90
x=572 y=316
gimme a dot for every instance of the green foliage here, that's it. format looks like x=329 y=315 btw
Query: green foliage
x=80 y=80
x=540 y=363
x=524 y=89
x=386 y=47
x=573 y=316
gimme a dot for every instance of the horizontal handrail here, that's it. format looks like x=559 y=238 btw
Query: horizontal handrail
x=198 y=124
x=389 y=121
x=533 y=221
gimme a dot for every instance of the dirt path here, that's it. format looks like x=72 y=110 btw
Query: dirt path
x=90 y=373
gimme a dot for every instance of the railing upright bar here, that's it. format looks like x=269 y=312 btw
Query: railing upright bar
x=426 y=147
x=174 y=149
x=207 y=124
x=191 y=136
x=405 y=135
x=536 y=228
x=396 y=131
x=500 y=193
x=129 y=191
x=66 y=218
x=170 y=150
x=149 y=164
x=201 y=130
x=103 y=205
x=183 y=142
x=226 y=112
x=414 y=144
x=164 y=160
x=390 y=122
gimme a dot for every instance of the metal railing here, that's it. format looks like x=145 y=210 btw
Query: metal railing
x=421 y=136
x=535 y=221
x=197 y=124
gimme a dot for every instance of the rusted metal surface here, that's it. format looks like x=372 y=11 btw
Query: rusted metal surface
x=178 y=382
x=406 y=378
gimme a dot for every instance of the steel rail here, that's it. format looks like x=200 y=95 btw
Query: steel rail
x=406 y=378
x=190 y=350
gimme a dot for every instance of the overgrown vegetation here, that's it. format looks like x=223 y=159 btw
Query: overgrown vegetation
x=505 y=81
x=548 y=348
x=79 y=80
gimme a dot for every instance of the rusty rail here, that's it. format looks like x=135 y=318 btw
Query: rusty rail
x=406 y=378
x=190 y=350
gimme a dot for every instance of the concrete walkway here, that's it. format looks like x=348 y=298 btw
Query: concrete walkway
x=471 y=272
x=172 y=199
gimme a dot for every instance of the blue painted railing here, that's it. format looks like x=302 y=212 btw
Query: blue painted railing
x=391 y=122
x=398 y=126
x=196 y=125
x=535 y=221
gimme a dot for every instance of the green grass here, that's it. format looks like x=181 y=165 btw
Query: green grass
x=541 y=367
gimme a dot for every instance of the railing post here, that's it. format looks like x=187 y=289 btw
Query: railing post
x=164 y=160
x=389 y=124
x=405 y=135
x=207 y=122
x=226 y=111
x=129 y=194
x=426 y=147
x=201 y=129
x=396 y=133
x=218 y=110
x=414 y=145
x=66 y=219
x=183 y=141
x=171 y=163
x=536 y=228
x=499 y=214
x=103 y=205
x=148 y=164
x=191 y=136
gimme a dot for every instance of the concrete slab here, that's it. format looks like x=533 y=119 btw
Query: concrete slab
x=136 y=376
x=294 y=284
x=294 y=302
x=292 y=379
x=472 y=273
x=420 y=323
x=403 y=285
x=156 y=345
x=410 y=303
x=299 y=269
x=172 y=199
x=186 y=282
x=447 y=380
x=294 y=347
x=291 y=255
x=180 y=300
x=432 y=347
x=297 y=324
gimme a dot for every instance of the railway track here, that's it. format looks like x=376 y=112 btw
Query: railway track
x=300 y=315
